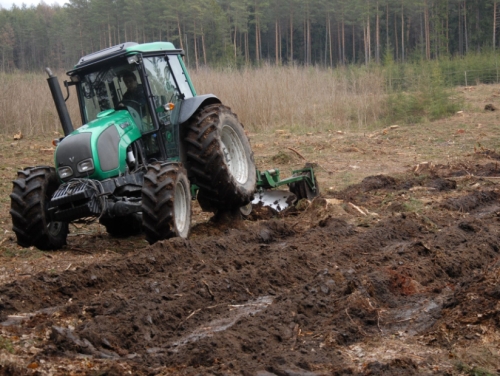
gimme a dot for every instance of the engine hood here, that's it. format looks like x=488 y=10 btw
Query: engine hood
x=98 y=149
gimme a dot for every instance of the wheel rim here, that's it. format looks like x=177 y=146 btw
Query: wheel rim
x=54 y=228
x=234 y=154
x=180 y=207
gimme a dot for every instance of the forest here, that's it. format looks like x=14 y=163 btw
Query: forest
x=249 y=32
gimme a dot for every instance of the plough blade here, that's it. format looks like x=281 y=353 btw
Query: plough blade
x=276 y=199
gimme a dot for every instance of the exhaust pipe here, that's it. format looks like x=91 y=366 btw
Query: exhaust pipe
x=62 y=110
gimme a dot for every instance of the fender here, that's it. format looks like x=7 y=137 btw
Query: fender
x=190 y=106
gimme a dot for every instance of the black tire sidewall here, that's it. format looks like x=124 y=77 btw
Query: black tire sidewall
x=33 y=189
x=159 y=222
x=53 y=240
x=206 y=161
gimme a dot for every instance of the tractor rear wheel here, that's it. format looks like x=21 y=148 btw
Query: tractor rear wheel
x=30 y=197
x=120 y=227
x=220 y=159
x=166 y=202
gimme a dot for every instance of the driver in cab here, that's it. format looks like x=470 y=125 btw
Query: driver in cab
x=134 y=96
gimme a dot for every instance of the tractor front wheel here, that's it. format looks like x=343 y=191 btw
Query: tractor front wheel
x=220 y=159
x=30 y=197
x=166 y=202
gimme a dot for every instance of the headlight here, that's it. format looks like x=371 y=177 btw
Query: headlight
x=85 y=166
x=64 y=172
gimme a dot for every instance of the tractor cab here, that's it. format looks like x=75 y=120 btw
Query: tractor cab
x=149 y=81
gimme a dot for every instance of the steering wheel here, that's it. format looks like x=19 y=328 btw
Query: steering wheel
x=131 y=104
x=125 y=101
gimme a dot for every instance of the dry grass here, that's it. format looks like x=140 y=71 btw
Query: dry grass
x=293 y=98
x=26 y=105
x=297 y=98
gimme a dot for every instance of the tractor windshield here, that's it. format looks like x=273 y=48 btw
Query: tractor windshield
x=117 y=87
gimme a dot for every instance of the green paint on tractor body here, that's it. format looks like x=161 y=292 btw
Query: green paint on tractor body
x=101 y=145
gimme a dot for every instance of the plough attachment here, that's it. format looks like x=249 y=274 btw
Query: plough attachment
x=302 y=184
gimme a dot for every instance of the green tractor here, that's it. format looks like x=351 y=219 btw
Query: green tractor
x=148 y=146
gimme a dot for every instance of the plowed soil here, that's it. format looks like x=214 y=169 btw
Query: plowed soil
x=396 y=273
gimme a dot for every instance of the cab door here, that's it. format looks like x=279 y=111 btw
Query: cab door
x=166 y=98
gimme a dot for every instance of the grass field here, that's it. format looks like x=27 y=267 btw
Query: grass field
x=297 y=99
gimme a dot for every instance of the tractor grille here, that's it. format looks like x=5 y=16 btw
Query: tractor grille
x=72 y=150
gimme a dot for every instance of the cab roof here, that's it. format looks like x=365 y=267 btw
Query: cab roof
x=122 y=50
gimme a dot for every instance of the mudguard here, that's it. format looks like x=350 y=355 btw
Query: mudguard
x=190 y=105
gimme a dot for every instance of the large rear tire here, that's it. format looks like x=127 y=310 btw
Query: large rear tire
x=166 y=202
x=220 y=159
x=30 y=197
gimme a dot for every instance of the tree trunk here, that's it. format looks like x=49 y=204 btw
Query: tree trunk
x=387 y=26
x=460 y=31
x=494 y=24
x=465 y=29
x=343 y=41
x=179 y=30
x=478 y=45
x=339 y=44
x=257 y=46
x=369 y=39
x=234 y=44
x=247 y=57
x=261 y=45
x=427 y=32
x=203 y=46
x=330 y=40
x=291 y=37
x=100 y=37
x=81 y=37
x=280 y=45
x=276 y=42
x=110 y=41
x=353 y=46
x=195 y=45
x=309 y=48
x=377 y=36
x=402 y=34
x=421 y=36
x=304 y=41
x=365 y=44
x=396 y=42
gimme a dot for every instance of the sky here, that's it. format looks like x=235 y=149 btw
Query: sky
x=7 y=4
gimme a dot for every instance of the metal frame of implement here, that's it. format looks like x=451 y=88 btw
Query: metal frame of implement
x=270 y=179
